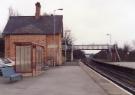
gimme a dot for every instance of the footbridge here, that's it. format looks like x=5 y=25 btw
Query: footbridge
x=111 y=48
x=92 y=47
x=89 y=47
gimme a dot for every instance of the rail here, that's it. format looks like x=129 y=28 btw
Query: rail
x=122 y=76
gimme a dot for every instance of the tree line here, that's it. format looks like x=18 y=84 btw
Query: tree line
x=126 y=53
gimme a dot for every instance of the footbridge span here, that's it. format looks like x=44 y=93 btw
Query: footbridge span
x=111 y=48
x=92 y=47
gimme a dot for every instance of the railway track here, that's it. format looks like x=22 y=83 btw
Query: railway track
x=124 y=77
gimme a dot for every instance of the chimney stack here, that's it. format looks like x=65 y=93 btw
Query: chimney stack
x=37 y=13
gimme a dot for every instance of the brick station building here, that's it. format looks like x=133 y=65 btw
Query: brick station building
x=38 y=30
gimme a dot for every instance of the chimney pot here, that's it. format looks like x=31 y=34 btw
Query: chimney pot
x=37 y=13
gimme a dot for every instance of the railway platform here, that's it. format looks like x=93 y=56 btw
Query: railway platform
x=63 y=80
x=130 y=65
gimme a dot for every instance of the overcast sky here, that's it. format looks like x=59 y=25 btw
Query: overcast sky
x=88 y=20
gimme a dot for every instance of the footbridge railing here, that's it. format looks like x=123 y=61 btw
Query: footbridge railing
x=88 y=47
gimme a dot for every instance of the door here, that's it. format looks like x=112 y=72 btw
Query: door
x=23 y=59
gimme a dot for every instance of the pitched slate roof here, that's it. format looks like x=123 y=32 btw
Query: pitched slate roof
x=21 y=25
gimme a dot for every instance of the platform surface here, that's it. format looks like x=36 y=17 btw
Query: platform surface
x=123 y=64
x=63 y=80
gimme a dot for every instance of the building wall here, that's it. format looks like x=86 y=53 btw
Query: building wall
x=46 y=40
x=54 y=48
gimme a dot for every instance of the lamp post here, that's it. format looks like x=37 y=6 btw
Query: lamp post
x=65 y=47
x=54 y=32
x=66 y=31
x=110 y=38
x=72 y=56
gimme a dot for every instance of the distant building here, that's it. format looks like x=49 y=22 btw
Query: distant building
x=45 y=31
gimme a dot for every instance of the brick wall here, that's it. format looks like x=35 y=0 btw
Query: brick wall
x=47 y=40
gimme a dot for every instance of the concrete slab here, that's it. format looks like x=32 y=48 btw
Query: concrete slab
x=64 y=80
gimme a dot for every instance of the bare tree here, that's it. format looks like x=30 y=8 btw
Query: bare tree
x=67 y=42
x=68 y=38
x=126 y=48
x=12 y=12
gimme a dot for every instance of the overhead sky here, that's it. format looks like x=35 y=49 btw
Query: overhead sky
x=88 y=20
